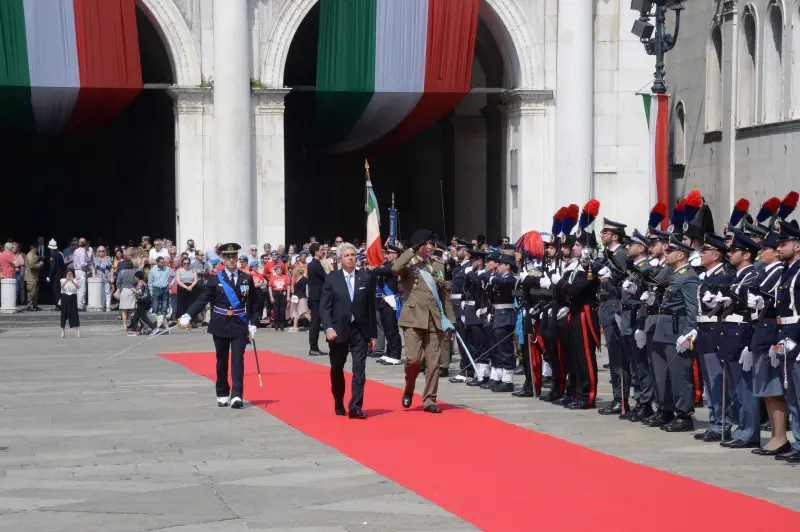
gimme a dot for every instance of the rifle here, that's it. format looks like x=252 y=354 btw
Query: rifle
x=768 y=297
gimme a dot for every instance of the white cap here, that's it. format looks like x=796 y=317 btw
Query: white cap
x=52 y=244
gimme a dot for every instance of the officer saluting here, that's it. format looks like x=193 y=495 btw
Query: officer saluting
x=232 y=322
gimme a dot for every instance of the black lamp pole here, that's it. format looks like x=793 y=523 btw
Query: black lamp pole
x=662 y=42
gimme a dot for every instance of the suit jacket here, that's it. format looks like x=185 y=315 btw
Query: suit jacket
x=57 y=266
x=680 y=296
x=316 y=278
x=419 y=306
x=213 y=293
x=337 y=310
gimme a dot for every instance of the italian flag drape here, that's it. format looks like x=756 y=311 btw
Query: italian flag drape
x=656 y=108
x=374 y=247
x=67 y=65
x=388 y=69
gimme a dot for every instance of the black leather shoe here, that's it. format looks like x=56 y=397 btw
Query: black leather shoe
x=433 y=409
x=340 y=411
x=656 y=414
x=612 y=408
x=503 y=387
x=606 y=366
x=407 y=400
x=316 y=353
x=489 y=384
x=785 y=448
x=710 y=437
x=640 y=413
x=627 y=414
x=765 y=426
x=794 y=459
x=478 y=382
x=561 y=400
x=580 y=404
x=550 y=397
x=785 y=457
x=444 y=372
x=679 y=425
x=519 y=371
x=740 y=444
x=523 y=392
x=660 y=419
x=547 y=381
x=357 y=414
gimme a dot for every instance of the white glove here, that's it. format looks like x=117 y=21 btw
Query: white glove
x=523 y=275
x=709 y=299
x=641 y=338
x=489 y=318
x=252 y=330
x=654 y=262
x=773 y=359
x=755 y=302
x=746 y=359
x=545 y=283
x=563 y=311
x=626 y=284
x=684 y=343
x=629 y=287
x=48 y=279
x=490 y=280
x=463 y=304
x=183 y=321
x=604 y=272
x=649 y=298
x=586 y=254
x=391 y=301
x=555 y=278
x=726 y=301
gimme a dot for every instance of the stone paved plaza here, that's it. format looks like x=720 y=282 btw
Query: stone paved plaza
x=137 y=444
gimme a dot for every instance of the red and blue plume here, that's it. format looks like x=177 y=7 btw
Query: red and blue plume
x=657 y=215
x=590 y=212
x=558 y=221
x=531 y=244
x=677 y=214
x=570 y=219
x=739 y=211
x=694 y=201
x=768 y=209
x=788 y=205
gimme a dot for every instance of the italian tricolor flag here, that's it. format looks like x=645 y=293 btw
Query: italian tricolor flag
x=656 y=108
x=67 y=64
x=388 y=69
x=374 y=247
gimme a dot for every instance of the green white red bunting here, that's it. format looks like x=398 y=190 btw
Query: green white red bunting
x=374 y=247
x=388 y=69
x=67 y=64
x=656 y=108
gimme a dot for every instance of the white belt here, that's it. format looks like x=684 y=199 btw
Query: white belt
x=789 y=320
x=502 y=306
x=707 y=319
x=734 y=318
x=470 y=303
x=455 y=296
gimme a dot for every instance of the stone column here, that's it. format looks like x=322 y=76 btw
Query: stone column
x=574 y=128
x=191 y=187
x=234 y=179
x=469 y=134
x=270 y=167
x=529 y=181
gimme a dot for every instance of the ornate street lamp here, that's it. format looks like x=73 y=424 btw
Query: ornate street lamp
x=662 y=42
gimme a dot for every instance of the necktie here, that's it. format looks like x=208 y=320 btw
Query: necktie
x=233 y=280
x=350 y=285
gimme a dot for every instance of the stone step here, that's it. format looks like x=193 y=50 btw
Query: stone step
x=48 y=318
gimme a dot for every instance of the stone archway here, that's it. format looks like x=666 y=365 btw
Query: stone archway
x=508 y=23
x=177 y=39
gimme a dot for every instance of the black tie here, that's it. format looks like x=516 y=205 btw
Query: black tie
x=232 y=280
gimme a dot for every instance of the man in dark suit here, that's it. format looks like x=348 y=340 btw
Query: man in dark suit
x=347 y=309
x=233 y=322
x=55 y=272
x=316 y=278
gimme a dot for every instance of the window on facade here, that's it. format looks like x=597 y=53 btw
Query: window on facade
x=714 y=81
x=679 y=136
x=747 y=70
x=772 y=91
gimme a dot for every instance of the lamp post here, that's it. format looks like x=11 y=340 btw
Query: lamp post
x=662 y=42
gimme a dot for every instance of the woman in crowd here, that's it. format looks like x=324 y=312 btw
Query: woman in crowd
x=299 y=307
x=69 y=302
x=126 y=282
x=102 y=267
x=186 y=280
x=143 y=301
x=278 y=288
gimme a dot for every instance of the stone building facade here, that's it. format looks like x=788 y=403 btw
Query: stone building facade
x=571 y=125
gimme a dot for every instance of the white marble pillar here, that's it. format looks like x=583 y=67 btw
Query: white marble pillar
x=270 y=166
x=235 y=198
x=574 y=127
x=469 y=140
x=529 y=179
x=191 y=192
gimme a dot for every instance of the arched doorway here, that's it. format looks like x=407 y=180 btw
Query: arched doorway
x=449 y=178
x=111 y=185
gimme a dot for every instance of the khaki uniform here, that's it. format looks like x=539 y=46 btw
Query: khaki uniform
x=447 y=302
x=31 y=276
x=421 y=321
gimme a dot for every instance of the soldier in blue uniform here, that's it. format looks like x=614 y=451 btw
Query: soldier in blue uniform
x=504 y=321
x=675 y=332
x=485 y=309
x=387 y=300
x=733 y=344
x=459 y=276
x=768 y=378
x=470 y=304
x=232 y=323
x=712 y=282
x=787 y=303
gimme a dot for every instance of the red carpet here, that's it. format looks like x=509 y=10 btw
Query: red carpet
x=492 y=474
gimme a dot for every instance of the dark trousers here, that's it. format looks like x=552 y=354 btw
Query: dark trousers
x=391 y=333
x=564 y=337
x=357 y=345
x=69 y=311
x=641 y=377
x=674 y=379
x=584 y=353
x=503 y=355
x=140 y=314
x=555 y=357
x=280 y=310
x=476 y=340
x=465 y=368
x=491 y=354
x=617 y=362
x=261 y=295
x=313 y=328
x=236 y=348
